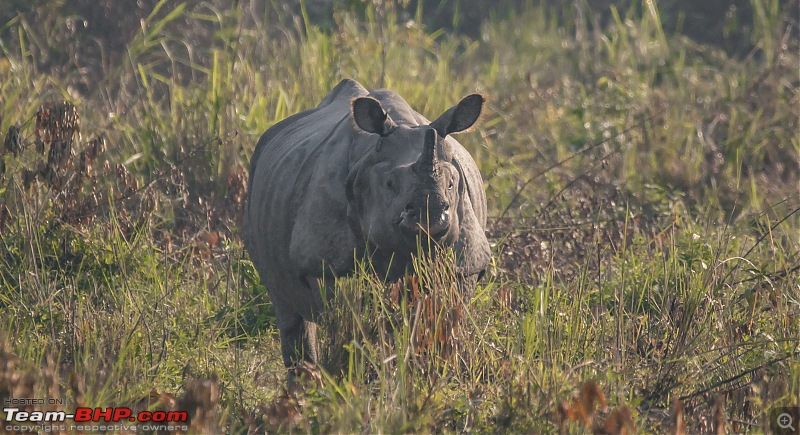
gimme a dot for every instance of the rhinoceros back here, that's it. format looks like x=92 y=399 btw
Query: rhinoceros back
x=281 y=169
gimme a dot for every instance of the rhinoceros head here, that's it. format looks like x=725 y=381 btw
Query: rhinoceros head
x=410 y=185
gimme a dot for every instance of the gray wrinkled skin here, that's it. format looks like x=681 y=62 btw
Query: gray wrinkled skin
x=362 y=175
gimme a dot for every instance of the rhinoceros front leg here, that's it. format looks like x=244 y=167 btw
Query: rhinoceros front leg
x=311 y=341
x=298 y=344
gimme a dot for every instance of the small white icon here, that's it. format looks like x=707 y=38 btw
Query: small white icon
x=785 y=421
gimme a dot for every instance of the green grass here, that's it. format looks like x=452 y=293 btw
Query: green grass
x=643 y=194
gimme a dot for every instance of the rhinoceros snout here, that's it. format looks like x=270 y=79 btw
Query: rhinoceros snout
x=414 y=220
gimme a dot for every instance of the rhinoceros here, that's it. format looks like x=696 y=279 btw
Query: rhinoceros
x=360 y=176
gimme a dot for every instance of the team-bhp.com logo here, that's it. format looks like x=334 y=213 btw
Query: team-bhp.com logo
x=88 y=419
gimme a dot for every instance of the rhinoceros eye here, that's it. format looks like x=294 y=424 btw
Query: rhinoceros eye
x=390 y=184
x=450 y=185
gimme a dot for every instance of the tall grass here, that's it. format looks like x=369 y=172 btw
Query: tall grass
x=643 y=195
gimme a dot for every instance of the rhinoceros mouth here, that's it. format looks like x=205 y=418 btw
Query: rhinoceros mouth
x=416 y=229
x=440 y=235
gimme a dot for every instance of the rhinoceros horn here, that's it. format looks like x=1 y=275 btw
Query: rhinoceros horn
x=427 y=162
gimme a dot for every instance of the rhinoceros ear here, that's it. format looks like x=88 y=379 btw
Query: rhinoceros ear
x=461 y=116
x=370 y=116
